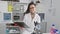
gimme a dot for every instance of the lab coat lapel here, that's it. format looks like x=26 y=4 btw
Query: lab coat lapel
x=31 y=17
x=32 y=20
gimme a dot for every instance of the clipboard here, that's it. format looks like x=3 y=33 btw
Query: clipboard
x=22 y=24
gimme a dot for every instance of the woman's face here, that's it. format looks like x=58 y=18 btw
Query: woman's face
x=32 y=8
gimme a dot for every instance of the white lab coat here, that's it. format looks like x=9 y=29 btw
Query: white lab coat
x=30 y=23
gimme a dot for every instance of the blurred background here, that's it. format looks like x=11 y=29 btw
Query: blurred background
x=11 y=11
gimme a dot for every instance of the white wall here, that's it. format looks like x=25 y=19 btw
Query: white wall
x=54 y=18
x=51 y=17
x=3 y=6
x=2 y=28
x=4 y=9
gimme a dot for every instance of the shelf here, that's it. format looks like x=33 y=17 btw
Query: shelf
x=13 y=29
x=15 y=32
x=17 y=21
x=13 y=26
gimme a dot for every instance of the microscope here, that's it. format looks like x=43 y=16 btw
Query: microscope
x=37 y=28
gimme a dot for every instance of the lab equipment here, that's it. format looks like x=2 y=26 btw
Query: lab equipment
x=7 y=31
x=52 y=29
x=13 y=30
x=16 y=17
x=37 y=28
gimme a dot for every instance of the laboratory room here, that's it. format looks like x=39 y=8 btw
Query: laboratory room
x=29 y=17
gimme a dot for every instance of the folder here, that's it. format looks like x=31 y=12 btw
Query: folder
x=22 y=24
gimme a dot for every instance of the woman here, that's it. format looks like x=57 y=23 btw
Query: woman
x=30 y=17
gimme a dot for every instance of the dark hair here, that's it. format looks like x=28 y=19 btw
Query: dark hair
x=28 y=11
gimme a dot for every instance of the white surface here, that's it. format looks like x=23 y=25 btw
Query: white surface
x=12 y=31
x=1 y=15
x=24 y=1
x=3 y=6
x=46 y=33
x=2 y=28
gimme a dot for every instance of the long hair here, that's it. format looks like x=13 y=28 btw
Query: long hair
x=28 y=11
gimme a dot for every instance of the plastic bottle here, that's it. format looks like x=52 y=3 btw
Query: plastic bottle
x=52 y=29
x=7 y=31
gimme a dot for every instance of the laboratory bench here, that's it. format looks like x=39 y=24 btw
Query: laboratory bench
x=12 y=28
